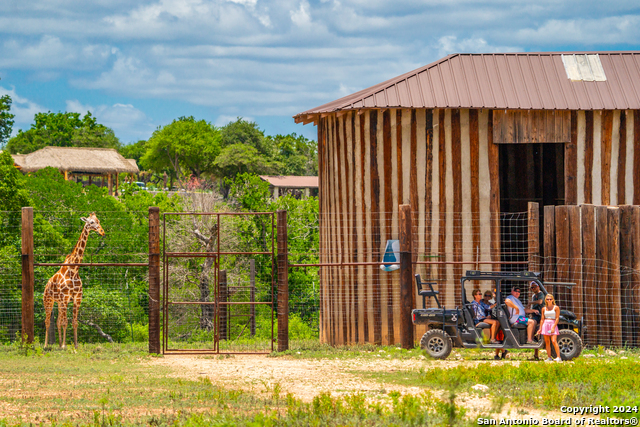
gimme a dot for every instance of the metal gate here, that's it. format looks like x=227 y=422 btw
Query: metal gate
x=218 y=306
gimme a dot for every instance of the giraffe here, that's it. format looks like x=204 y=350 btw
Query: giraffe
x=66 y=285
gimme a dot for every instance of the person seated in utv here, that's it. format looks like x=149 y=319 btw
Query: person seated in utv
x=517 y=313
x=489 y=302
x=537 y=300
x=480 y=314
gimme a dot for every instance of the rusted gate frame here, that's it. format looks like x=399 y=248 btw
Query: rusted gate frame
x=217 y=303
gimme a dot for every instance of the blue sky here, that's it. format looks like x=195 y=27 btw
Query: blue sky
x=137 y=65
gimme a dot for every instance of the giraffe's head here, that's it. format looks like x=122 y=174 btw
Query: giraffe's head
x=93 y=223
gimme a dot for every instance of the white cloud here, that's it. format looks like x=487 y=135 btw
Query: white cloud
x=23 y=109
x=301 y=16
x=128 y=122
x=450 y=44
x=605 y=30
x=224 y=120
x=50 y=52
x=273 y=57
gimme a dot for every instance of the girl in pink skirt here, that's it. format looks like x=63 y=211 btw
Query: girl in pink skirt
x=549 y=326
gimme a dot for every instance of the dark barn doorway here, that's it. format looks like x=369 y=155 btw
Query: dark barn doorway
x=528 y=173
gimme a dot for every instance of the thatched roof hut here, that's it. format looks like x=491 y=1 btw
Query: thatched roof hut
x=77 y=160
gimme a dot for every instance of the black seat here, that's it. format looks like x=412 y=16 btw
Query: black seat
x=426 y=293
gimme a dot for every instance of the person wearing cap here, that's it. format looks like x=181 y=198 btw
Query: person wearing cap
x=517 y=313
x=536 y=300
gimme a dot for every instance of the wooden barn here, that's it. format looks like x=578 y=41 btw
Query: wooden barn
x=468 y=141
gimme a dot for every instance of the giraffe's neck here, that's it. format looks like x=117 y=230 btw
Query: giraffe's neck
x=78 y=251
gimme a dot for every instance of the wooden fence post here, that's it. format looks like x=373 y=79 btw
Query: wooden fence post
x=533 y=214
x=406 y=278
x=27 y=275
x=575 y=260
x=563 y=297
x=590 y=297
x=223 y=297
x=252 y=294
x=602 y=324
x=629 y=222
x=615 y=309
x=283 y=282
x=549 y=246
x=154 y=280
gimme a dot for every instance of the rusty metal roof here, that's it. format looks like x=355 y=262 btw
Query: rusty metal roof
x=529 y=81
x=290 y=181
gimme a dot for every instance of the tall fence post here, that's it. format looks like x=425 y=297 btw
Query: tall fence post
x=224 y=308
x=283 y=283
x=154 y=280
x=27 y=275
x=252 y=295
x=406 y=278
x=533 y=220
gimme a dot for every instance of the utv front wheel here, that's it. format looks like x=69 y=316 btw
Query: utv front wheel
x=569 y=343
x=436 y=343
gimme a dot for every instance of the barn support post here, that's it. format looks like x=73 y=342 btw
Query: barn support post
x=252 y=295
x=27 y=275
x=154 y=280
x=533 y=214
x=406 y=278
x=224 y=308
x=283 y=282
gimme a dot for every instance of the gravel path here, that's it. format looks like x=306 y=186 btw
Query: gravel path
x=306 y=378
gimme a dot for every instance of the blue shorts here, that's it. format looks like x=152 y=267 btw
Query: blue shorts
x=522 y=320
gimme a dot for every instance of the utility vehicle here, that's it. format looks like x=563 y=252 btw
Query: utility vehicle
x=455 y=327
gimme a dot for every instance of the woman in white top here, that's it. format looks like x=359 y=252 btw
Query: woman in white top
x=549 y=326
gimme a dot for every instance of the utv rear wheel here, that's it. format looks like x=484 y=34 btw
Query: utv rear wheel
x=569 y=343
x=436 y=343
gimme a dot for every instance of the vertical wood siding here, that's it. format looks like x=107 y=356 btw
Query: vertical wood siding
x=443 y=162
x=607 y=159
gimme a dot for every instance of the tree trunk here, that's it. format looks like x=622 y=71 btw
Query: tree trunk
x=207 y=312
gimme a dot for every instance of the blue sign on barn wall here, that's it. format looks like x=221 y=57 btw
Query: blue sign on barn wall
x=391 y=254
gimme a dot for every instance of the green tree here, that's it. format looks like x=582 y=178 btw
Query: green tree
x=13 y=196
x=63 y=130
x=297 y=154
x=6 y=119
x=134 y=151
x=246 y=133
x=239 y=158
x=182 y=148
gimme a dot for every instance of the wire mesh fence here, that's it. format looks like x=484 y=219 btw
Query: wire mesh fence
x=114 y=299
x=10 y=276
x=344 y=288
x=360 y=293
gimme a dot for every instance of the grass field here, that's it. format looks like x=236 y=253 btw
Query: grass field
x=124 y=385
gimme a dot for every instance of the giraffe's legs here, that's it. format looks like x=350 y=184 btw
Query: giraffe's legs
x=77 y=300
x=63 y=321
x=48 y=308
